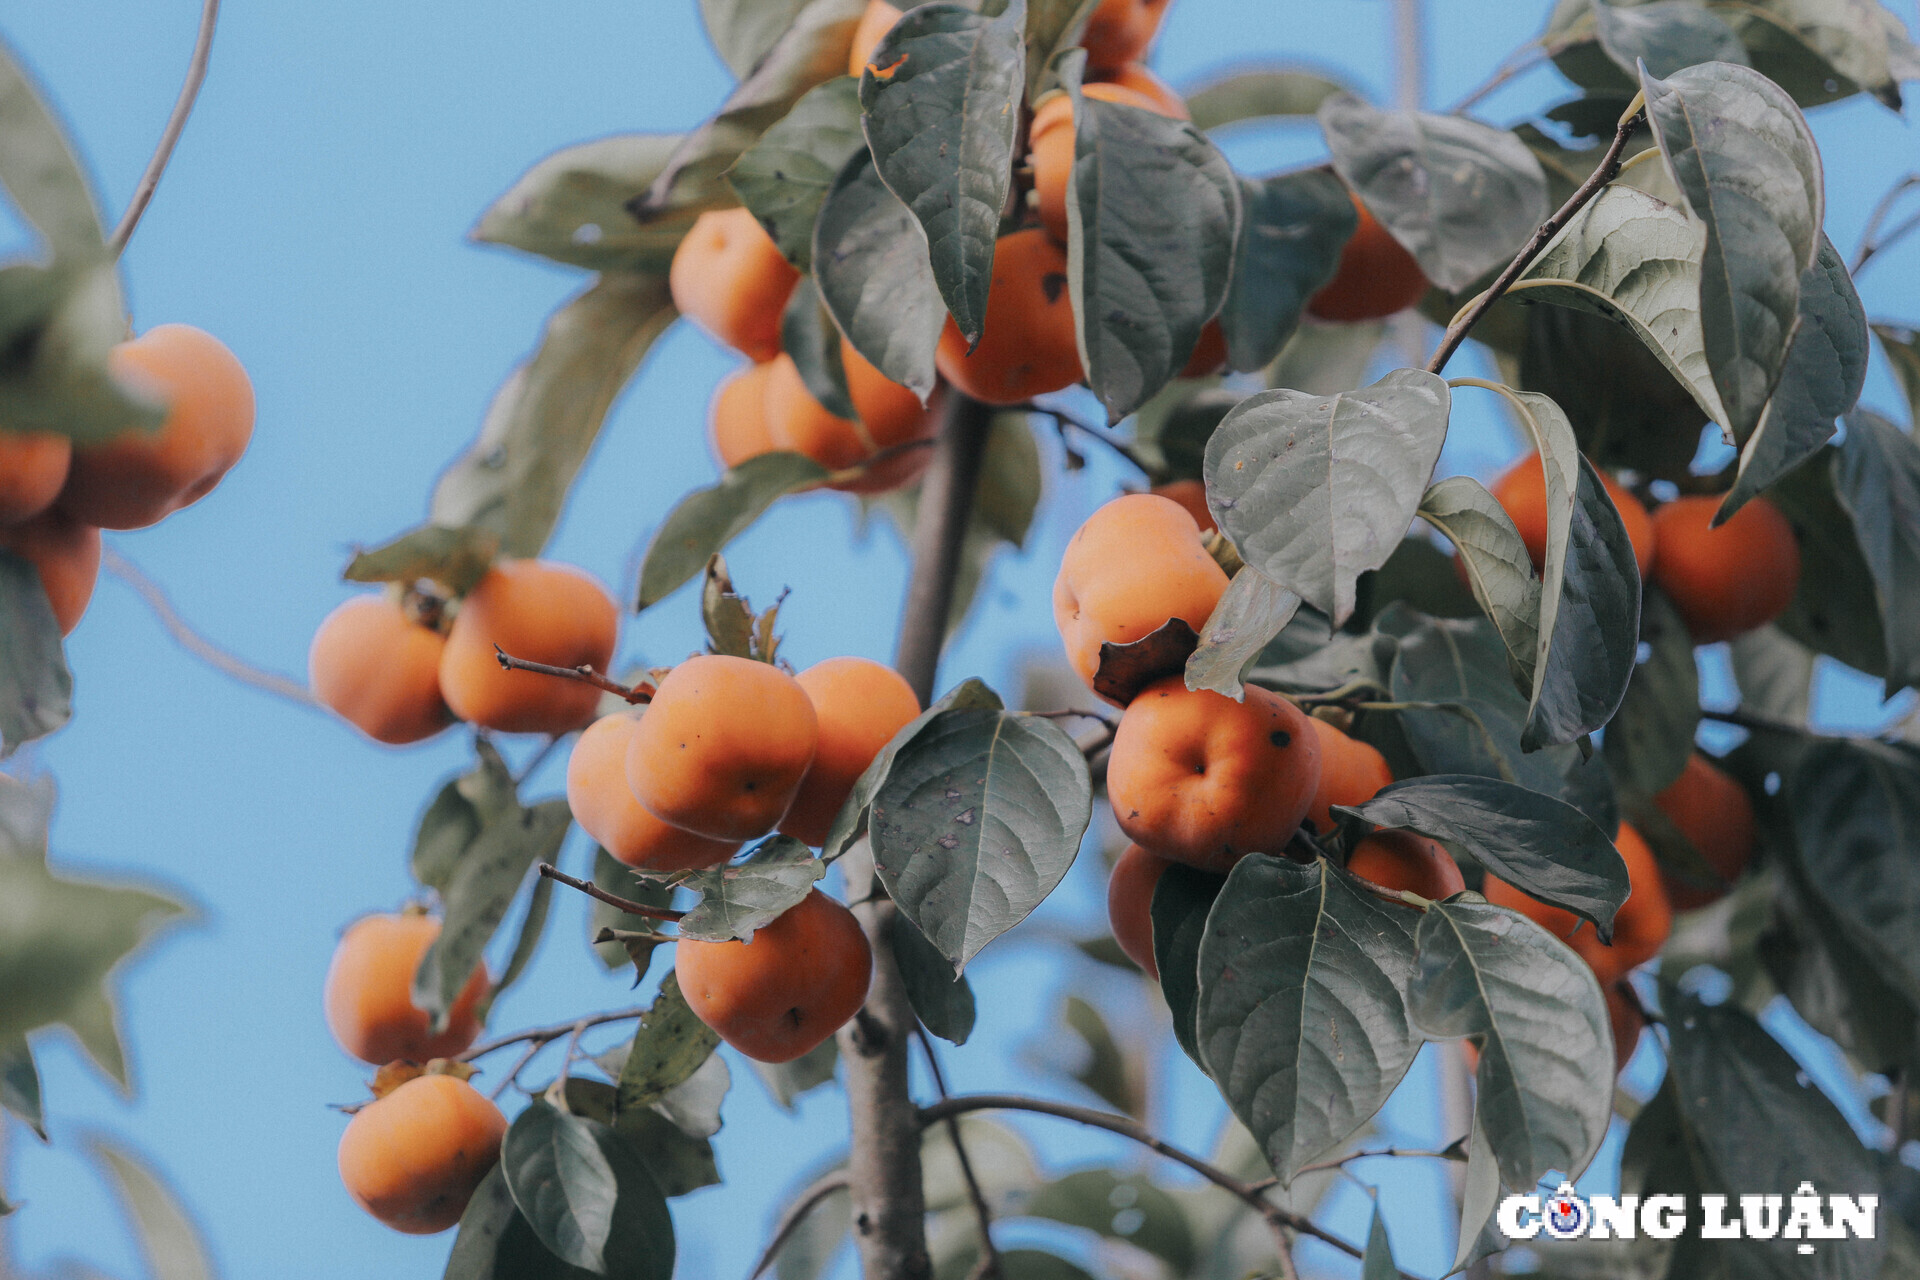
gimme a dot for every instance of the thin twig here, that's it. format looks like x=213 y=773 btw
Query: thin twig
x=627 y=905
x=990 y=1256
x=1608 y=169
x=539 y=758
x=584 y=673
x=1064 y=419
x=559 y=1086
x=182 y=108
x=1101 y=716
x=1277 y=1218
x=632 y=935
x=796 y=1214
x=1870 y=241
x=1761 y=724
x=879 y=458
x=546 y=1035
x=196 y=644
x=1520 y=60
x=519 y=1064
x=1400 y=1153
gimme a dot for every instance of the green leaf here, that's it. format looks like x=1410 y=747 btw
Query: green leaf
x=788 y=1080
x=20 y=1083
x=811 y=50
x=57 y=325
x=871 y=260
x=1822 y=50
x=669 y=1047
x=707 y=519
x=1292 y=229
x=61 y=941
x=1418 y=575
x=1826 y=367
x=1774 y=673
x=1301 y=1017
x=1153 y=214
x=495 y=1242
x=36 y=689
x=941 y=998
x=1755 y=1119
x=1015 y=1264
x=739 y=898
x=1129 y=1208
x=816 y=1242
x=785 y=176
x=1003 y=1165
x=742 y=31
x=533 y=926
x=1377 y=1262
x=808 y=335
x=543 y=421
x=1316 y=490
x=1535 y=842
x=1651 y=737
x=1497 y=565
x=457 y=812
x=616 y=877
x=1053 y=27
x=941 y=126
x=571 y=207
x=1877 y=482
x=1535 y=1010
x=170 y=1243
x=1746 y=161
x=454 y=558
x=1835 y=609
x=41 y=170
x=1259 y=93
x=587 y=1194
x=1250 y=614
x=693 y=1106
x=851 y=823
x=478 y=892
x=1106 y=1073
x=1010 y=479
x=1461 y=196
x=980 y=815
x=1902 y=349
x=1324 y=358
x=1181 y=902
x=1667 y=36
x=1480 y=1193
x=680 y=1165
x=1172 y=431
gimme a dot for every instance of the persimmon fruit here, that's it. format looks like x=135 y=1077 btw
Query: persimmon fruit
x=1191 y=495
x=141 y=477
x=1407 y=861
x=1027 y=345
x=606 y=808
x=782 y=994
x=369 y=993
x=1351 y=773
x=889 y=415
x=33 y=469
x=1727 y=581
x=1136 y=873
x=1522 y=492
x=737 y=417
x=1376 y=277
x=66 y=551
x=1119 y=31
x=540 y=611
x=1135 y=565
x=874 y=25
x=1050 y=139
x=723 y=747
x=1640 y=927
x=379 y=670
x=1624 y=1016
x=730 y=279
x=413 y=1158
x=1201 y=779
x=858 y=705
x=1715 y=815
x=1209 y=353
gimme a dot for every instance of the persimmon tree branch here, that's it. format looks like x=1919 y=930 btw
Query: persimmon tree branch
x=983 y=1214
x=169 y=136
x=541 y=1036
x=1607 y=170
x=1871 y=241
x=796 y=1213
x=628 y=905
x=584 y=673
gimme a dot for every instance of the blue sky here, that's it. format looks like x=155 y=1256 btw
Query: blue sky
x=314 y=219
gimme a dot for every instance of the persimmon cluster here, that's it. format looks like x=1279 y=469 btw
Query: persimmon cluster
x=56 y=497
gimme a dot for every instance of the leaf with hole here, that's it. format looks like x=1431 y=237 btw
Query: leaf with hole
x=784 y=177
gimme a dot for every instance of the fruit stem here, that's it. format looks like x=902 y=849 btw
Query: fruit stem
x=182 y=108
x=628 y=905
x=1608 y=169
x=584 y=673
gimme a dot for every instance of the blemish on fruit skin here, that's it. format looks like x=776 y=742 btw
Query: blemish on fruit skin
x=1280 y=738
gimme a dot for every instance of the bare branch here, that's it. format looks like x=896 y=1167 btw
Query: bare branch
x=983 y=1215
x=584 y=673
x=627 y=905
x=182 y=108
x=546 y=1035
x=796 y=1213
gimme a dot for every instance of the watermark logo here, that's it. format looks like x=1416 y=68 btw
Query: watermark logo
x=1805 y=1216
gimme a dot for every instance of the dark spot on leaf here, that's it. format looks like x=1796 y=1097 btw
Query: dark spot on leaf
x=964 y=818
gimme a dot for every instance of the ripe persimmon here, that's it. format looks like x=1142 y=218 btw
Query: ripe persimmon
x=874 y=25
x=33 y=468
x=1136 y=873
x=1640 y=927
x=1715 y=815
x=369 y=993
x=782 y=994
x=540 y=611
x=1725 y=581
x=141 y=477
x=1351 y=772
x=723 y=747
x=1027 y=346
x=413 y=1158
x=379 y=670
x=1120 y=31
x=1209 y=354
x=1627 y=1022
x=1137 y=77
x=859 y=705
x=66 y=551
x=1050 y=139
x=1376 y=277
x=1191 y=495
x=1522 y=492
x=1201 y=779
x=730 y=278
x=1408 y=861
x=737 y=417
x=1136 y=564
x=606 y=809
x=889 y=415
